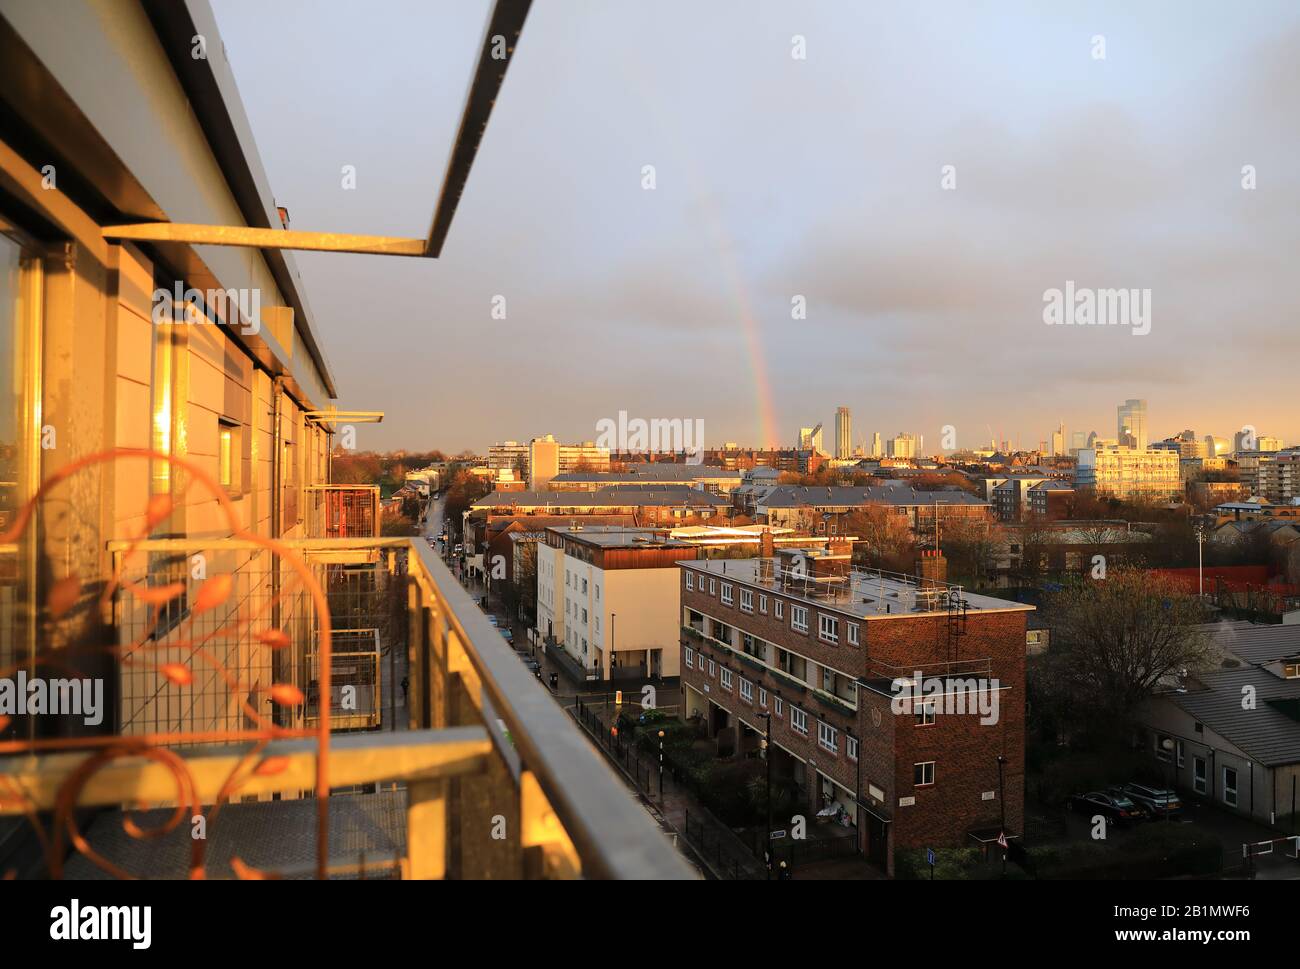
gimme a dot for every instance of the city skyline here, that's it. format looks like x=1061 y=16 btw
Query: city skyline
x=912 y=318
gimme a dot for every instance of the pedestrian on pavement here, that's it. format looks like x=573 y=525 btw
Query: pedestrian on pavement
x=784 y=875
x=406 y=683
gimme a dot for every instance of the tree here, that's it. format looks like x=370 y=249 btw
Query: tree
x=885 y=538
x=1114 y=640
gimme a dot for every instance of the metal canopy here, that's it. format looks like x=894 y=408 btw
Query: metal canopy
x=495 y=53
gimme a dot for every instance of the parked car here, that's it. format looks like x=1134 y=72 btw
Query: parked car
x=1160 y=801
x=1116 y=808
x=1143 y=811
x=534 y=667
x=492 y=619
x=506 y=632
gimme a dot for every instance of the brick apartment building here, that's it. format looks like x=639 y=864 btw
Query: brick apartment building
x=818 y=646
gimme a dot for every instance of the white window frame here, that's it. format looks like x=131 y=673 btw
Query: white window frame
x=828 y=738
x=799 y=618
x=926 y=717
x=690 y=580
x=923 y=764
x=690 y=658
x=746 y=600
x=762 y=696
x=828 y=628
x=852 y=628
x=798 y=720
x=746 y=690
x=728 y=594
x=778 y=608
x=851 y=746
x=762 y=603
x=713 y=669
x=1199 y=784
x=725 y=679
x=713 y=586
x=1229 y=794
x=778 y=707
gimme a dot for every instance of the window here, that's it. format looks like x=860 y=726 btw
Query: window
x=728 y=597
x=828 y=737
x=1291 y=671
x=779 y=707
x=852 y=628
x=746 y=690
x=690 y=658
x=584 y=617
x=762 y=697
x=584 y=587
x=726 y=678
x=712 y=668
x=227 y=452
x=713 y=587
x=925 y=714
x=799 y=618
x=778 y=607
x=798 y=720
x=746 y=600
x=923 y=774
x=1198 y=774
x=762 y=604
x=690 y=581
x=1230 y=786
x=1178 y=752
x=828 y=628
x=851 y=746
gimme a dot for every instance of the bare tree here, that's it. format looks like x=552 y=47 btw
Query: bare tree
x=1115 y=639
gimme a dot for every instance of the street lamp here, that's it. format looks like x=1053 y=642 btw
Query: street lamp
x=661 y=768
x=1002 y=809
x=1168 y=745
x=1200 y=559
x=767 y=756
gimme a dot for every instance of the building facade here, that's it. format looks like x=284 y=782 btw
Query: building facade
x=822 y=649
x=1133 y=474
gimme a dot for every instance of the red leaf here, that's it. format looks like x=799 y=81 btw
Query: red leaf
x=159 y=508
x=157 y=595
x=272 y=765
x=64 y=595
x=178 y=673
x=213 y=593
x=286 y=694
x=274 y=638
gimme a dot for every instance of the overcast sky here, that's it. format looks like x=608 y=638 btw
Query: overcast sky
x=778 y=177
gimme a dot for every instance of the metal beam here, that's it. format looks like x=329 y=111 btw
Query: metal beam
x=238 y=235
x=361 y=758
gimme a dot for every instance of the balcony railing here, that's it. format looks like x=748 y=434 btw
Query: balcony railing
x=342 y=511
x=218 y=704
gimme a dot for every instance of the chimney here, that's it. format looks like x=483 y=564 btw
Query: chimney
x=932 y=568
x=766 y=544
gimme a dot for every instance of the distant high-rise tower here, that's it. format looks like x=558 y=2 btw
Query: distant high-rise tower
x=1058 y=441
x=843 y=433
x=1132 y=424
x=876 y=448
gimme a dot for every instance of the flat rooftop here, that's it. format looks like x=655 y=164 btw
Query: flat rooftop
x=865 y=593
x=615 y=536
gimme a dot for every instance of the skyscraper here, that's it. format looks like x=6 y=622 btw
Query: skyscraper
x=876 y=448
x=1132 y=424
x=843 y=433
x=1058 y=441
